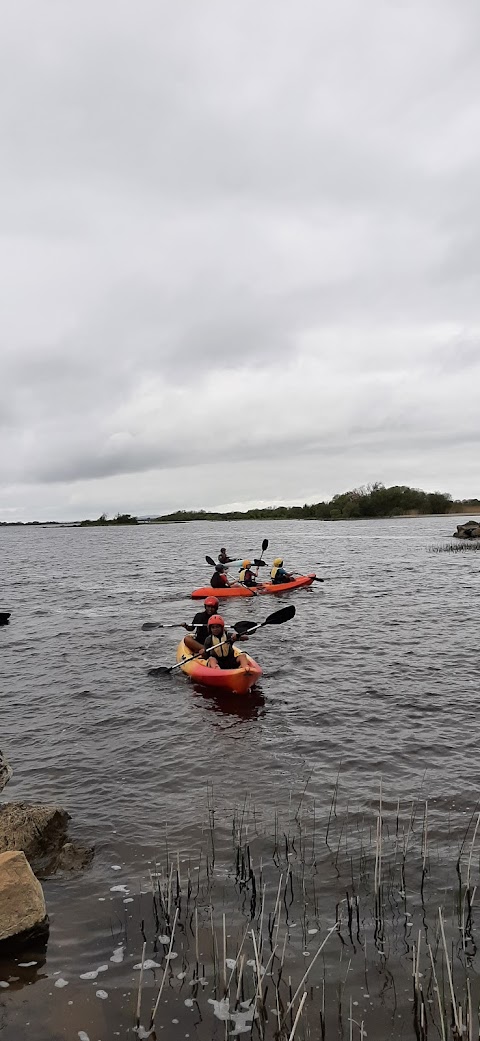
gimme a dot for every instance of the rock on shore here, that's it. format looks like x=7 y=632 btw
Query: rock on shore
x=41 y=832
x=23 y=914
x=468 y=530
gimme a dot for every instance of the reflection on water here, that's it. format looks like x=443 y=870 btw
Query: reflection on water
x=242 y=708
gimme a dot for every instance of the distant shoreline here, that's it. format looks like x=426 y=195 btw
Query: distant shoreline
x=411 y=515
x=374 y=502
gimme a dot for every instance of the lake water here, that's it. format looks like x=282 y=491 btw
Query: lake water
x=374 y=684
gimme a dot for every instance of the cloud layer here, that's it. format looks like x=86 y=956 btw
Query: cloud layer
x=239 y=251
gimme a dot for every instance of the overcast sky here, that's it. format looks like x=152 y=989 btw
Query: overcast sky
x=239 y=251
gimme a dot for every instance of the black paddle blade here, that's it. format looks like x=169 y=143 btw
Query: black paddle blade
x=283 y=615
x=211 y=561
x=259 y=563
x=264 y=545
x=159 y=670
x=243 y=627
x=318 y=579
x=152 y=625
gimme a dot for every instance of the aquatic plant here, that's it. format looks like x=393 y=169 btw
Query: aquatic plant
x=259 y=955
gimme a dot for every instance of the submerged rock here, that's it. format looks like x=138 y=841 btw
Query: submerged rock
x=468 y=530
x=41 y=832
x=23 y=914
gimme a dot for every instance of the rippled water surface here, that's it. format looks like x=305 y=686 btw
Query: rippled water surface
x=377 y=676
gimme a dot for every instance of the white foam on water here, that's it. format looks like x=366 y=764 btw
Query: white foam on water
x=148 y=964
x=101 y=994
x=3 y=983
x=164 y=939
x=83 y=1036
x=26 y=964
x=115 y=867
x=181 y=975
x=92 y=975
x=311 y=932
x=119 y=889
x=188 y=1002
x=142 y=1033
x=102 y=968
x=230 y=963
x=117 y=955
x=61 y=983
x=221 y=1009
x=171 y=956
x=129 y=900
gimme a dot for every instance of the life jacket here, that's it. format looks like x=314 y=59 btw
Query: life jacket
x=247 y=576
x=218 y=580
x=273 y=573
x=222 y=651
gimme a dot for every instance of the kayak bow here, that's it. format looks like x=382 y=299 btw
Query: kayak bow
x=236 y=681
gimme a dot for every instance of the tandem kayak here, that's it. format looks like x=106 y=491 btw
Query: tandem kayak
x=200 y=594
x=284 y=587
x=236 y=681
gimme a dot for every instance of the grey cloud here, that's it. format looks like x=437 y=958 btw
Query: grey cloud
x=191 y=207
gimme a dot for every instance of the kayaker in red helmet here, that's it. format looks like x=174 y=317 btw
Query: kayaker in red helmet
x=219 y=579
x=200 y=621
x=218 y=648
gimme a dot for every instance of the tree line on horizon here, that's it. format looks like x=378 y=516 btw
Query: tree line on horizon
x=374 y=500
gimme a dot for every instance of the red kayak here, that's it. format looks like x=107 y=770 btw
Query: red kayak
x=236 y=681
x=200 y=594
x=284 y=587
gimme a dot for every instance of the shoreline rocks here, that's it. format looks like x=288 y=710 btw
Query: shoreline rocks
x=41 y=832
x=23 y=914
x=6 y=771
x=468 y=530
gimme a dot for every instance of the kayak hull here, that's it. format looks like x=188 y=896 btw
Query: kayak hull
x=235 y=681
x=285 y=587
x=200 y=594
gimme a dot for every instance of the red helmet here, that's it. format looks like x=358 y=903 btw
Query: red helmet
x=216 y=619
x=211 y=601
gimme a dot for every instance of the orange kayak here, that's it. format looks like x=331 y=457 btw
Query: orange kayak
x=236 y=681
x=283 y=587
x=200 y=594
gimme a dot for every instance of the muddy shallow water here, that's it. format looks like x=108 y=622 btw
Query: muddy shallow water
x=306 y=799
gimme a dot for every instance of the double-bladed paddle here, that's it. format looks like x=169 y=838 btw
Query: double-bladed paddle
x=241 y=629
x=167 y=625
x=256 y=563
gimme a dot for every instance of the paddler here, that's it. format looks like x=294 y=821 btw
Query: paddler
x=200 y=621
x=219 y=579
x=278 y=575
x=246 y=575
x=223 y=558
x=218 y=649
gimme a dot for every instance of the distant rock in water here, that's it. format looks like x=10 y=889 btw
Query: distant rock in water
x=41 y=832
x=469 y=530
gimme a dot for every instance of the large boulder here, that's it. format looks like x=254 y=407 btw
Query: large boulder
x=41 y=832
x=22 y=905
